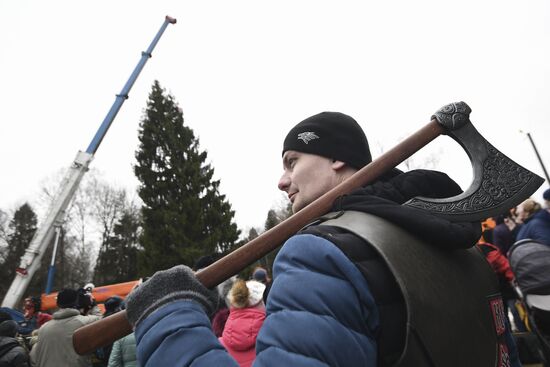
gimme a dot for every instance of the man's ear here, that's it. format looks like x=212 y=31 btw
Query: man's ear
x=337 y=165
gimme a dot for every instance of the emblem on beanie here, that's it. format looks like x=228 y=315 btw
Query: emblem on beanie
x=307 y=136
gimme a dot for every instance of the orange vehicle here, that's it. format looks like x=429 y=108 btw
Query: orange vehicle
x=100 y=294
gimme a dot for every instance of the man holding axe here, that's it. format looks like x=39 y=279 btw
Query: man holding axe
x=385 y=276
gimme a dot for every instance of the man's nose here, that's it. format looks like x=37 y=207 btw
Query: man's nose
x=284 y=182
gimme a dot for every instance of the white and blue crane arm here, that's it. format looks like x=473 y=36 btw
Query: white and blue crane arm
x=31 y=259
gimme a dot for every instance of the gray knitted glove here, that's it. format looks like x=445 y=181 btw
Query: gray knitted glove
x=166 y=286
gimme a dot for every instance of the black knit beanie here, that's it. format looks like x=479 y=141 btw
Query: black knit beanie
x=332 y=135
x=67 y=298
x=8 y=327
x=4 y=316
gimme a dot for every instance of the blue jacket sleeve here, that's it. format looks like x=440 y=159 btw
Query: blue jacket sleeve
x=320 y=311
x=179 y=334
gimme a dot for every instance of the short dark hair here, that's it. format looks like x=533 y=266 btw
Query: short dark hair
x=4 y=316
x=9 y=326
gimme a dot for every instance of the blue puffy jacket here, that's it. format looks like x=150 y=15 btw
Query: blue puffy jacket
x=536 y=228
x=319 y=313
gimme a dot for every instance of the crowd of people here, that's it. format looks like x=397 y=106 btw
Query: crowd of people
x=40 y=339
x=373 y=282
x=528 y=226
x=43 y=340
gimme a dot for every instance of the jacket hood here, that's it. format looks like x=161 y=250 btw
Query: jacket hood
x=385 y=199
x=7 y=343
x=65 y=313
x=242 y=327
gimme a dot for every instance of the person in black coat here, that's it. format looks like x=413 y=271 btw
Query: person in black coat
x=12 y=354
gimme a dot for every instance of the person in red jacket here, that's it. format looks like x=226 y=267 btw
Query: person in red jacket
x=34 y=319
x=246 y=316
x=505 y=275
x=498 y=261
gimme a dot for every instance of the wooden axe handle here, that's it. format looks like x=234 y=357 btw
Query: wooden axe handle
x=105 y=331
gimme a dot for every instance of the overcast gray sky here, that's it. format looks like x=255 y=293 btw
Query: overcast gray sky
x=244 y=72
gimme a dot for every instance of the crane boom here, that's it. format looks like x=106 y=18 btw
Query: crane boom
x=30 y=261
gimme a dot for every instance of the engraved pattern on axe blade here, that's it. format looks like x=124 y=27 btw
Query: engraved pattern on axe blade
x=502 y=180
x=498 y=183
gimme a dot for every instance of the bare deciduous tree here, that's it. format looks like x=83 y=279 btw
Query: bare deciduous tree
x=89 y=221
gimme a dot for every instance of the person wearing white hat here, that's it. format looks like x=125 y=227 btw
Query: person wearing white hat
x=246 y=316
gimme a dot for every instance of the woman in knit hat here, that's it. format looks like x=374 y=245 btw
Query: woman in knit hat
x=246 y=316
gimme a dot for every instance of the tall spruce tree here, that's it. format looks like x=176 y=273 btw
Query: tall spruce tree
x=184 y=215
x=21 y=230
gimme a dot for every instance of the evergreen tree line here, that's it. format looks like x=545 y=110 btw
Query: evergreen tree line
x=181 y=216
x=274 y=216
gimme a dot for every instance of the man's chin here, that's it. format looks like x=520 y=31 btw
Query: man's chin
x=297 y=206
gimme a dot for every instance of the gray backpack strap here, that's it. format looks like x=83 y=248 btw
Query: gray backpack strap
x=454 y=311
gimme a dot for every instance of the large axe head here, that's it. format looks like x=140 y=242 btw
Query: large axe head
x=498 y=182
